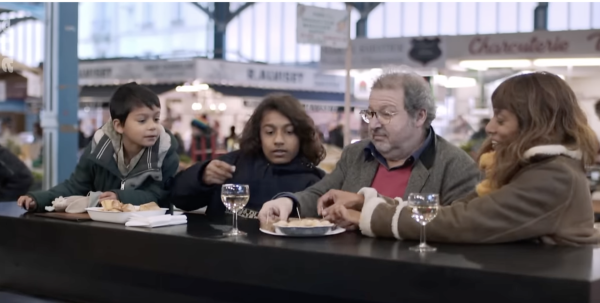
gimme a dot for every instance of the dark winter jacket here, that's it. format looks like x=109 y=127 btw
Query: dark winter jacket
x=264 y=179
x=15 y=177
x=97 y=170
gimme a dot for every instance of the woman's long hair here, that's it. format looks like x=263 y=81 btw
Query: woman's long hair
x=310 y=144
x=548 y=113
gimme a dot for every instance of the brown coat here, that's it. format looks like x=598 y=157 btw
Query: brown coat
x=548 y=199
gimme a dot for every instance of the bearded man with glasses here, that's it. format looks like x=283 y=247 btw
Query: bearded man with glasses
x=403 y=155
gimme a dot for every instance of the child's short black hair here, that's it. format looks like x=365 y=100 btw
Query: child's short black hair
x=129 y=96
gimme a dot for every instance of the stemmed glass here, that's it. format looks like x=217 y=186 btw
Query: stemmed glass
x=235 y=197
x=424 y=209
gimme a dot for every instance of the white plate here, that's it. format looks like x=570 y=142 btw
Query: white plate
x=336 y=231
x=98 y=214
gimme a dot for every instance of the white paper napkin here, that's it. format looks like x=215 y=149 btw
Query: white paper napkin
x=155 y=221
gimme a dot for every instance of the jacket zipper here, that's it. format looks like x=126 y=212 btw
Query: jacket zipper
x=125 y=179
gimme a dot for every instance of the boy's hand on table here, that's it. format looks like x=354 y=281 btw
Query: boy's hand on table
x=27 y=203
x=108 y=195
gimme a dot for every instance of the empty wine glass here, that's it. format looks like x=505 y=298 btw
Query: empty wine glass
x=424 y=209
x=235 y=197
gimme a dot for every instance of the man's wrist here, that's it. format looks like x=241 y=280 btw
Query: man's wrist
x=355 y=217
x=290 y=202
x=295 y=204
x=357 y=203
x=290 y=197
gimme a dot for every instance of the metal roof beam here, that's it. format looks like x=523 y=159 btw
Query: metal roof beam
x=34 y=8
x=238 y=11
x=14 y=21
x=365 y=8
x=228 y=16
x=204 y=9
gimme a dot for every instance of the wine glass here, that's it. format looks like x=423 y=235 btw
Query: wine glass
x=235 y=197
x=424 y=209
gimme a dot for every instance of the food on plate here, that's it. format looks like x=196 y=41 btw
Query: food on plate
x=111 y=205
x=267 y=226
x=128 y=208
x=149 y=206
x=117 y=206
x=307 y=227
x=307 y=222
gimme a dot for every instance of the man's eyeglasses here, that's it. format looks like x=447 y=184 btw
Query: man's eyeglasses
x=383 y=117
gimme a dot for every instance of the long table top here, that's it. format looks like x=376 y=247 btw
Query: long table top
x=103 y=262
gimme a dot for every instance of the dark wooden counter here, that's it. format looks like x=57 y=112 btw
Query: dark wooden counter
x=99 y=262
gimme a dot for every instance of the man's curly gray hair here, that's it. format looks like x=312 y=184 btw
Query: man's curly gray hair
x=417 y=92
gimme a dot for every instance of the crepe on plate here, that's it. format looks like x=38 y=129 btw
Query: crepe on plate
x=117 y=206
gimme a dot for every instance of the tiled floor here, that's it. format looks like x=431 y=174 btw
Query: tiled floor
x=8 y=297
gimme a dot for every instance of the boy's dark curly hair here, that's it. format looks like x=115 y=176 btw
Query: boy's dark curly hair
x=304 y=127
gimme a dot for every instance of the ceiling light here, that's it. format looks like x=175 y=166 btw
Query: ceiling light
x=191 y=88
x=196 y=106
x=454 y=81
x=529 y=72
x=567 y=62
x=486 y=64
x=457 y=82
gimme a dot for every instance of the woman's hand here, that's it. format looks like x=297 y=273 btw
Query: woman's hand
x=342 y=216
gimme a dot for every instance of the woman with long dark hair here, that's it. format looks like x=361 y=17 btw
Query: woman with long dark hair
x=279 y=152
